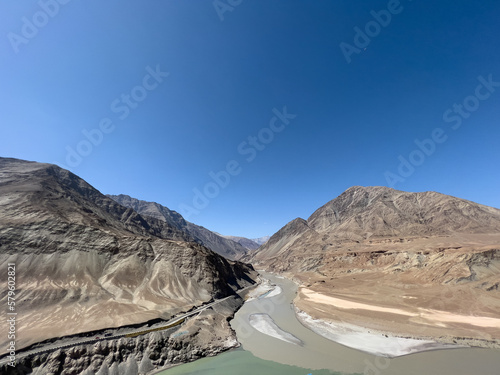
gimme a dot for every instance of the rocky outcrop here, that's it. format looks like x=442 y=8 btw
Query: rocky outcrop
x=143 y=354
x=363 y=212
x=43 y=193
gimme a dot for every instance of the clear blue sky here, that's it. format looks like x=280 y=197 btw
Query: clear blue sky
x=353 y=119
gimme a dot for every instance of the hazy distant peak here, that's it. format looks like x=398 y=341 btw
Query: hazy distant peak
x=243 y=241
x=261 y=240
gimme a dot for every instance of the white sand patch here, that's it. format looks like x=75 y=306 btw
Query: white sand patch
x=266 y=325
x=444 y=316
x=265 y=290
x=368 y=341
x=345 y=304
x=274 y=292
x=435 y=316
x=258 y=291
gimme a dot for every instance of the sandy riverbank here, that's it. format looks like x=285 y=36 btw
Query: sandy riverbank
x=388 y=331
x=266 y=325
x=432 y=316
x=376 y=343
x=265 y=289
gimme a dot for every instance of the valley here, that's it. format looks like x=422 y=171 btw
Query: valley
x=411 y=264
x=304 y=345
x=85 y=263
x=114 y=284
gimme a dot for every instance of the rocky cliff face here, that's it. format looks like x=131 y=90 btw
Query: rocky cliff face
x=143 y=354
x=84 y=262
x=37 y=193
x=224 y=246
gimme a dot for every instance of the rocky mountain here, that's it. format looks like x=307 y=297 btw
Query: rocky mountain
x=224 y=246
x=364 y=215
x=417 y=253
x=245 y=242
x=84 y=262
x=261 y=240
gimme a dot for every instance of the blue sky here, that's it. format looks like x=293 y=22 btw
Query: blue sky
x=170 y=91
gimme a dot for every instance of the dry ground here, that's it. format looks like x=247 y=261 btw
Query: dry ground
x=434 y=287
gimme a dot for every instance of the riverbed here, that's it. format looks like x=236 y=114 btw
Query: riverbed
x=275 y=342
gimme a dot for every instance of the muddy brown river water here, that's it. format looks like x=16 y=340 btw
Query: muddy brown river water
x=264 y=354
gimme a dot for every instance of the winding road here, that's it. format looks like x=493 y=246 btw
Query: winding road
x=131 y=333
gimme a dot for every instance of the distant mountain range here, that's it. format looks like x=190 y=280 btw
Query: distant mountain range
x=245 y=242
x=261 y=240
x=85 y=262
x=249 y=244
x=227 y=246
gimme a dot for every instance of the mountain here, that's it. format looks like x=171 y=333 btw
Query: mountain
x=415 y=251
x=261 y=240
x=84 y=262
x=245 y=242
x=363 y=215
x=220 y=244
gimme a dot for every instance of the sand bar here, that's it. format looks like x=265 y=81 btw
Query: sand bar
x=436 y=316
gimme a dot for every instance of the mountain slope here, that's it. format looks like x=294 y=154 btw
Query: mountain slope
x=245 y=242
x=261 y=240
x=382 y=248
x=221 y=245
x=387 y=212
x=84 y=262
x=361 y=215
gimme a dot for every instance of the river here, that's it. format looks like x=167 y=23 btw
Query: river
x=301 y=351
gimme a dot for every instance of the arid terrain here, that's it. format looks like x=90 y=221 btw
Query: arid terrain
x=84 y=262
x=226 y=246
x=412 y=264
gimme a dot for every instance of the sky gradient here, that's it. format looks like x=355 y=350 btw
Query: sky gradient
x=245 y=117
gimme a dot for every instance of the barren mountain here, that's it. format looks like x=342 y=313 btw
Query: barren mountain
x=368 y=215
x=375 y=245
x=245 y=242
x=222 y=245
x=84 y=262
x=261 y=240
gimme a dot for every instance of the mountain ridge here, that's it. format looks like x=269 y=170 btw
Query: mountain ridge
x=220 y=244
x=85 y=262
x=383 y=248
x=360 y=213
x=243 y=241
